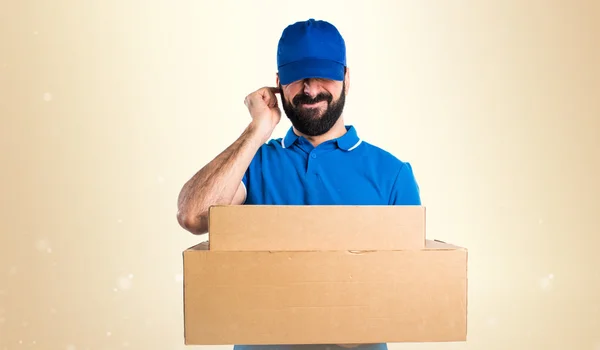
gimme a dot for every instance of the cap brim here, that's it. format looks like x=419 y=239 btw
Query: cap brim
x=311 y=68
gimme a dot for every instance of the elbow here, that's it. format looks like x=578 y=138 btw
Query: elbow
x=196 y=224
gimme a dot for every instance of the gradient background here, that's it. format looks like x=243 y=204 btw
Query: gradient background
x=108 y=107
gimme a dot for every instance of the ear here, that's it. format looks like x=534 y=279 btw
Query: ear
x=347 y=79
x=277 y=79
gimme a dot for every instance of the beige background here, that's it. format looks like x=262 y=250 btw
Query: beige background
x=108 y=107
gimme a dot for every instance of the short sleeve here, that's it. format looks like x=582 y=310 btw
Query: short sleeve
x=245 y=185
x=252 y=177
x=405 y=189
x=245 y=178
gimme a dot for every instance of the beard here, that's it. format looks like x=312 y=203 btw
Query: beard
x=313 y=121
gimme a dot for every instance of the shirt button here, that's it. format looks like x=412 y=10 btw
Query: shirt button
x=313 y=155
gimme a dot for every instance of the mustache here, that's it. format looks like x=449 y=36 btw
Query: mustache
x=303 y=98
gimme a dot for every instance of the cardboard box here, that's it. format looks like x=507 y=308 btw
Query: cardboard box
x=315 y=227
x=325 y=297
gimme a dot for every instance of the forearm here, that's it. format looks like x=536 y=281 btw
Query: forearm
x=217 y=182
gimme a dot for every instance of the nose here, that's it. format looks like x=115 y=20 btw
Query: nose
x=311 y=88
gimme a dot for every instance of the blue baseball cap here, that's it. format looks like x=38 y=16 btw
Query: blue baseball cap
x=311 y=49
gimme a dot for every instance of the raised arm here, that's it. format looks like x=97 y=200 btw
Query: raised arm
x=220 y=181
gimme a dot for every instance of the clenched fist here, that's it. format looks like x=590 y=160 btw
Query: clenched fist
x=264 y=110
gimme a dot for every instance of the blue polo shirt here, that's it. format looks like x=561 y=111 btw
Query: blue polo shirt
x=343 y=171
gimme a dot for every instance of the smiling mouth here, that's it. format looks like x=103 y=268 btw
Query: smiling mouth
x=310 y=105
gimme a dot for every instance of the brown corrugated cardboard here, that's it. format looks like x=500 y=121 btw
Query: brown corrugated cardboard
x=325 y=297
x=333 y=227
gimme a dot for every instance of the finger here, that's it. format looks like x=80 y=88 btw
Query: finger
x=272 y=101
x=269 y=90
x=269 y=97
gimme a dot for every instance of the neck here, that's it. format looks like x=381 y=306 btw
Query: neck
x=338 y=129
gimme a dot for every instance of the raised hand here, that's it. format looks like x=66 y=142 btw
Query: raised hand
x=264 y=110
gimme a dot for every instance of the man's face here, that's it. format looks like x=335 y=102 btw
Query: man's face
x=313 y=105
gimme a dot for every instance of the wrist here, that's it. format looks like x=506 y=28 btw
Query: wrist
x=259 y=133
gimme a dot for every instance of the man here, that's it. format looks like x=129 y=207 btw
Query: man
x=320 y=161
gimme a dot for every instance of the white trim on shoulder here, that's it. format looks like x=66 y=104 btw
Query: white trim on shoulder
x=282 y=143
x=355 y=145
